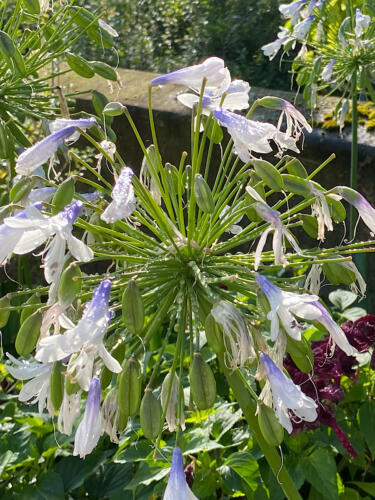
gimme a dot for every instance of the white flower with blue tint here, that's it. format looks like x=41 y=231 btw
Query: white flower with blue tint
x=43 y=194
x=286 y=395
x=284 y=307
x=271 y=216
x=362 y=22
x=43 y=150
x=177 y=487
x=37 y=228
x=89 y=429
x=10 y=236
x=365 y=210
x=123 y=197
x=292 y=10
x=213 y=69
x=271 y=49
x=36 y=390
x=295 y=121
x=302 y=29
x=250 y=135
x=237 y=339
x=327 y=70
x=85 y=339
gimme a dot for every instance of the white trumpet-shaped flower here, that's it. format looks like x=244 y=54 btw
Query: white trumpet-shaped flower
x=213 y=69
x=286 y=395
x=43 y=150
x=123 y=197
x=237 y=339
x=85 y=339
x=362 y=22
x=271 y=49
x=271 y=216
x=36 y=390
x=365 y=210
x=302 y=29
x=327 y=70
x=177 y=487
x=89 y=429
x=284 y=307
x=37 y=228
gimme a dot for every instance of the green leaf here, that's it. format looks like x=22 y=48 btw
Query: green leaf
x=109 y=480
x=295 y=167
x=245 y=466
x=320 y=471
x=342 y=298
x=353 y=313
x=367 y=487
x=336 y=209
x=148 y=472
x=366 y=424
x=7 y=458
x=269 y=174
x=350 y=494
x=51 y=487
x=73 y=470
x=310 y=225
x=213 y=130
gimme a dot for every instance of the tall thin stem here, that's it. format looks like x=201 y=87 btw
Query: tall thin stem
x=354 y=151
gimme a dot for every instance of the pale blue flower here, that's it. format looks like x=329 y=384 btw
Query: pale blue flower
x=327 y=70
x=292 y=10
x=43 y=194
x=365 y=210
x=85 y=339
x=271 y=49
x=301 y=29
x=89 y=429
x=43 y=150
x=177 y=487
x=362 y=22
x=286 y=395
x=123 y=197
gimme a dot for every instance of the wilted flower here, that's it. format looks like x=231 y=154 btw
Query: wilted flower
x=362 y=22
x=172 y=407
x=320 y=210
x=303 y=27
x=37 y=387
x=86 y=338
x=110 y=415
x=43 y=150
x=273 y=218
x=284 y=307
x=365 y=210
x=237 y=339
x=212 y=69
x=68 y=412
x=286 y=395
x=123 y=197
x=89 y=429
x=177 y=487
x=271 y=49
x=327 y=70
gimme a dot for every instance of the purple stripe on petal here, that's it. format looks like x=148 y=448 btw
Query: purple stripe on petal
x=266 y=285
x=73 y=211
x=93 y=397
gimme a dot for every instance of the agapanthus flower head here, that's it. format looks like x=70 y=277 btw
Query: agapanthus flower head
x=362 y=22
x=284 y=307
x=365 y=210
x=237 y=339
x=89 y=429
x=177 y=487
x=302 y=29
x=286 y=395
x=123 y=197
x=250 y=135
x=273 y=217
x=43 y=150
x=36 y=390
x=85 y=339
x=213 y=69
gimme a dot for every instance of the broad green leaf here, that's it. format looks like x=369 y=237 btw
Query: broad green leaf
x=367 y=487
x=109 y=480
x=245 y=466
x=320 y=471
x=353 y=313
x=310 y=225
x=342 y=299
x=7 y=458
x=73 y=470
x=366 y=424
x=51 y=486
x=295 y=167
x=148 y=472
x=337 y=274
x=350 y=494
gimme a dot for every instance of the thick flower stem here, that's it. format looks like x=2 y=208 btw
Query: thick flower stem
x=272 y=456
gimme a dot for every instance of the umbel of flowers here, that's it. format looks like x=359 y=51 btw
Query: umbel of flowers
x=165 y=264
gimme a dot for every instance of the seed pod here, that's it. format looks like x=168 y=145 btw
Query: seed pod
x=70 y=284
x=129 y=388
x=57 y=384
x=150 y=415
x=28 y=334
x=272 y=430
x=63 y=196
x=301 y=353
x=106 y=376
x=214 y=334
x=104 y=70
x=33 y=301
x=79 y=65
x=202 y=383
x=4 y=313
x=21 y=189
x=203 y=194
x=122 y=421
x=113 y=109
x=132 y=308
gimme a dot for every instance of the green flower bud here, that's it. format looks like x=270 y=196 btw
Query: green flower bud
x=21 y=189
x=79 y=65
x=214 y=334
x=63 y=196
x=129 y=388
x=202 y=383
x=33 y=304
x=104 y=70
x=269 y=174
x=113 y=109
x=70 y=284
x=203 y=194
x=150 y=415
x=28 y=334
x=272 y=430
x=4 y=313
x=132 y=308
x=57 y=384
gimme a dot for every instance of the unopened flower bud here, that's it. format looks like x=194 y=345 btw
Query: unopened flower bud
x=57 y=384
x=132 y=308
x=63 y=196
x=113 y=109
x=337 y=274
x=150 y=415
x=28 y=334
x=272 y=430
x=30 y=306
x=203 y=194
x=129 y=388
x=21 y=189
x=202 y=383
x=70 y=284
